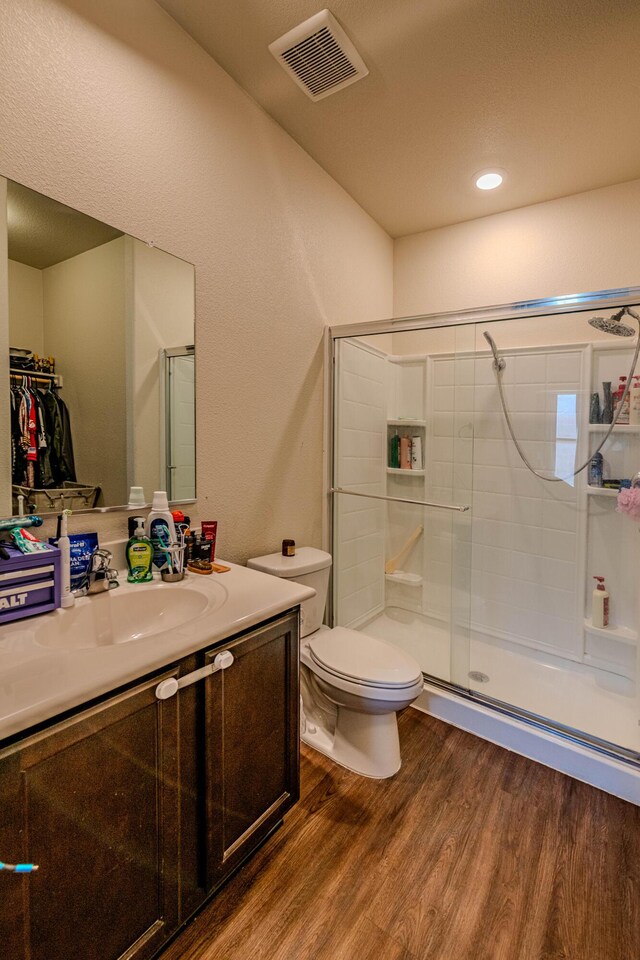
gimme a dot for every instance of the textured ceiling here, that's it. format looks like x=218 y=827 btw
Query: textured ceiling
x=547 y=90
x=43 y=232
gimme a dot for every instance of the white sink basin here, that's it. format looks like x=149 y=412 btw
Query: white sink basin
x=126 y=614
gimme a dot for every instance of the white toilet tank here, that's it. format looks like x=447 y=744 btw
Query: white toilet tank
x=310 y=567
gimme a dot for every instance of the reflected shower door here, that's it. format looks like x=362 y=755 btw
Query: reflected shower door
x=180 y=424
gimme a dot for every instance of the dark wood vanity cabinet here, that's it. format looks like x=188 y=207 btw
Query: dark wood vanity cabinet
x=137 y=809
x=252 y=772
x=93 y=801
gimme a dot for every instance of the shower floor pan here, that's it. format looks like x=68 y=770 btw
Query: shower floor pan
x=580 y=697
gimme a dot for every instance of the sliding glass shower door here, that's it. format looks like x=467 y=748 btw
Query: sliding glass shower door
x=473 y=508
x=402 y=483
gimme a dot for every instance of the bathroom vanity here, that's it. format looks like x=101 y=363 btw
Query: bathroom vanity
x=137 y=808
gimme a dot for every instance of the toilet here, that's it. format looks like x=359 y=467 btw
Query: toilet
x=351 y=685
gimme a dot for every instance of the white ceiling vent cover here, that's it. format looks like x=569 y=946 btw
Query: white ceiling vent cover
x=319 y=56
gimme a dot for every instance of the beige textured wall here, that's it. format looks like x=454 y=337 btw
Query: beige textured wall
x=25 y=307
x=111 y=108
x=573 y=245
x=84 y=323
x=5 y=430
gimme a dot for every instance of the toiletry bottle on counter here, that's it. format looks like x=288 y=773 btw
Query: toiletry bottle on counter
x=160 y=528
x=139 y=552
x=600 y=606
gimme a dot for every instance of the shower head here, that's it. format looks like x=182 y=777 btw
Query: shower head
x=614 y=324
x=498 y=363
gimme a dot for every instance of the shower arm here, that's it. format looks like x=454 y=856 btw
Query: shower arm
x=499 y=364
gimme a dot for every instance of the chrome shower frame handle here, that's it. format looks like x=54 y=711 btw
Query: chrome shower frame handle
x=456 y=507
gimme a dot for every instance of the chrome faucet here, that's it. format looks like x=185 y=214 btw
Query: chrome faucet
x=100 y=576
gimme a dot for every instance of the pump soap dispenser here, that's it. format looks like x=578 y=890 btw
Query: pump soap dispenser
x=600 y=606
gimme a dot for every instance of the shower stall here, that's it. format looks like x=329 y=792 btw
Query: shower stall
x=475 y=494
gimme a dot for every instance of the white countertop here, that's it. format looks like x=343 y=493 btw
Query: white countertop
x=38 y=681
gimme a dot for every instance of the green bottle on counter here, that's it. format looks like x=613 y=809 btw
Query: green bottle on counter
x=139 y=553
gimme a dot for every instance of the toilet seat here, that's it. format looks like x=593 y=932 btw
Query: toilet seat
x=351 y=656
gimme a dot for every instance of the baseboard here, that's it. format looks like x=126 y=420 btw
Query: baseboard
x=613 y=776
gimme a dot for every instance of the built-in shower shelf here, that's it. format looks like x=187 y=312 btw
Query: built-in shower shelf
x=407 y=423
x=601 y=492
x=619 y=427
x=408 y=579
x=617 y=633
x=404 y=472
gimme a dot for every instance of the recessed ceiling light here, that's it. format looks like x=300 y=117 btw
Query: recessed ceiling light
x=488 y=180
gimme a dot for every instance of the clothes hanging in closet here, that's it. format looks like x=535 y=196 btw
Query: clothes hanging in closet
x=41 y=441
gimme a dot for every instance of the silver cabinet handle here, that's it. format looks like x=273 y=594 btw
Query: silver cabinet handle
x=167 y=688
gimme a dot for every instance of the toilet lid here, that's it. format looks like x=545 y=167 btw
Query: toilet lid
x=358 y=657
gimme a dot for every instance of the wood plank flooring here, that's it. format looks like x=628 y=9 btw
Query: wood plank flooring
x=469 y=853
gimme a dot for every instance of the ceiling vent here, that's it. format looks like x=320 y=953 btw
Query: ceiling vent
x=319 y=56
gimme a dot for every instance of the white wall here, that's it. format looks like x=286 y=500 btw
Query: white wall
x=26 y=328
x=572 y=245
x=5 y=429
x=84 y=323
x=113 y=109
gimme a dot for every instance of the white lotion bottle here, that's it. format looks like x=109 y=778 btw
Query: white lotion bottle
x=600 y=605
x=161 y=529
x=634 y=402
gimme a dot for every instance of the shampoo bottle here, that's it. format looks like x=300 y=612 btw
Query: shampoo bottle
x=139 y=553
x=623 y=416
x=161 y=529
x=600 y=606
x=634 y=404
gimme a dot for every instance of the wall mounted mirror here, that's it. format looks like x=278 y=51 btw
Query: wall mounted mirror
x=100 y=329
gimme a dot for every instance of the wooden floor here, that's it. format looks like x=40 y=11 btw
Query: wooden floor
x=469 y=853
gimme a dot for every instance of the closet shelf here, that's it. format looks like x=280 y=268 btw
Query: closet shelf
x=37 y=375
x=400 y=471
x=616 y=633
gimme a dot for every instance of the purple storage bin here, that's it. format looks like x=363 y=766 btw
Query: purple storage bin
x=29 y=583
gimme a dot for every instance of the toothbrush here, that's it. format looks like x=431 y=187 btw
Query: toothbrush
x=166 y=549
x=67 y=599
x=19 y=867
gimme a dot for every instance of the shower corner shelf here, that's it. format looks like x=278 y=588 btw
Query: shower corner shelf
x=406 y=423
x=617 y=633
x=407 y=579
x=601 y=492
x=399 y=471
x=619 y=427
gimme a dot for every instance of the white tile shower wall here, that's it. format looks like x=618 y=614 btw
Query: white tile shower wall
x=524 y=531
x=360 y=447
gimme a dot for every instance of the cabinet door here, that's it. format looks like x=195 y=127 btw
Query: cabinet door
x=252 y=743
x=93 y=801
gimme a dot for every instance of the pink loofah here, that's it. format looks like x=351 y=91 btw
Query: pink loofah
x=629 y=502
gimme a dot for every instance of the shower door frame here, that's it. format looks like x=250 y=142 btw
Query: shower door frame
x=544 y=307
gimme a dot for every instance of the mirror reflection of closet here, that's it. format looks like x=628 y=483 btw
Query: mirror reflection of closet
x=104 y=306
